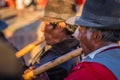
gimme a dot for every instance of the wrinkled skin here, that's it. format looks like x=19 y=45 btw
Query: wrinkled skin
x=90 y=41
x=54 y=35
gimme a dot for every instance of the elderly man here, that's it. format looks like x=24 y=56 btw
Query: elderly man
x=58 y=35
x=99 y=32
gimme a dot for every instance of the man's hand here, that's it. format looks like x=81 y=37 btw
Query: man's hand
x=28 y=74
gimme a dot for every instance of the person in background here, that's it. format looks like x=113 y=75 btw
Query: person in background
x=10 y=3
x=11 y=68
x=99 y=33
x=20 y=6
x=61 y=11
x=58 y=35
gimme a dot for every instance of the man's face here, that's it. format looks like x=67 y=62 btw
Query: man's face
x=52 y=35
x=85 y=40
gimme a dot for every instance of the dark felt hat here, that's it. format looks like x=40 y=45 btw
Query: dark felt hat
x=100 y=14
x=58 y=10
x=3 y=25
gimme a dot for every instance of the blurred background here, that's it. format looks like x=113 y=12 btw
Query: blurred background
x=21 y=14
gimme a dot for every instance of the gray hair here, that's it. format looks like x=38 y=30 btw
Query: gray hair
x=108 y=34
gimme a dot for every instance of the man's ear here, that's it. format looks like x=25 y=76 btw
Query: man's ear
x=97 y=36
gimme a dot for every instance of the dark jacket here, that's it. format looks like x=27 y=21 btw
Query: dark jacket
x=57 y=50
x=11 y=68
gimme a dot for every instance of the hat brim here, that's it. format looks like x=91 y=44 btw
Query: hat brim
x=50 y=19
x=76 y=20
x=72 y=20
x=86 y=23
x=92 y=24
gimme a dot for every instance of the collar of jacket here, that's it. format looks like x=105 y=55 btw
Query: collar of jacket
x=65 y=46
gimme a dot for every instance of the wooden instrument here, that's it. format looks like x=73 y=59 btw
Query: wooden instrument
x=51 y=64
x=28 y=48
